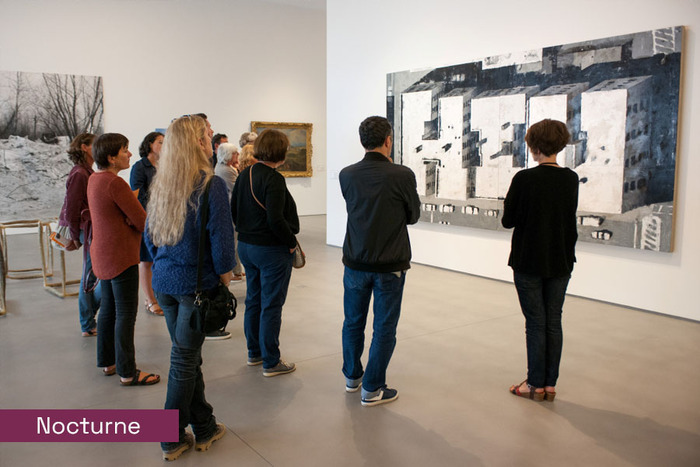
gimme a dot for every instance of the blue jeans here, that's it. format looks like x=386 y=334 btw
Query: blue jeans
x=115 y=323
x=185 y=380
x=541 y=300
x=268 y=271
x=388 y=291
x=88 y=302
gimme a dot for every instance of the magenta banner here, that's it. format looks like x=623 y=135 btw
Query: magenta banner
x=81 y=426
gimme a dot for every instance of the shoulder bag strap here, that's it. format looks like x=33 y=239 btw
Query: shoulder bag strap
x=250 y=173
x=202 y=238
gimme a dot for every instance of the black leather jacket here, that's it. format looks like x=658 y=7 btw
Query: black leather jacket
x=381 y=200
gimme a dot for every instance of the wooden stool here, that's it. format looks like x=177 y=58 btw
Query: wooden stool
x=31 y=273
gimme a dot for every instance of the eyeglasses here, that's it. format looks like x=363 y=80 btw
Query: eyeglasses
x=182 y=116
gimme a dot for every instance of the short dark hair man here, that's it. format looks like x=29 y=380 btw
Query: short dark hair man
x=215 y=143
x=381 y=200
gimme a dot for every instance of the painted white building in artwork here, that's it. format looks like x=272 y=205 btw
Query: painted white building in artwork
x=616 y=123
x=461 y=145
x=419 y=136
x=561 y=102
x=451 y=165
x=433 y=135
x=500 y=118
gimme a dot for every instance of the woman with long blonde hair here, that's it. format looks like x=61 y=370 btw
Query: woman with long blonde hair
x=172 y=238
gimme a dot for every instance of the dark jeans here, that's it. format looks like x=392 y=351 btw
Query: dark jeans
x=88 y=302
x=115 y=323
x=185 y=380
x=268 y=271
x=541 y=300
x=388 y=292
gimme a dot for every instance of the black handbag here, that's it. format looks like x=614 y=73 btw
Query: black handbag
x=216 y=307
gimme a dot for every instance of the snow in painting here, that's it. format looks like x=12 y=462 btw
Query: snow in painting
x=40 y=113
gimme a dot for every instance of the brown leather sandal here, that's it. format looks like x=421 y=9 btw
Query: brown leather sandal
x=549 y=395
x=531 y=394
x=154 y=308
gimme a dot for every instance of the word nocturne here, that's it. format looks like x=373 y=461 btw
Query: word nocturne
x=44 y=426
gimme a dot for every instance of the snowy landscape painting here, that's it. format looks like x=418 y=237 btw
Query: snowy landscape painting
x=461 y=129
x=40 y=113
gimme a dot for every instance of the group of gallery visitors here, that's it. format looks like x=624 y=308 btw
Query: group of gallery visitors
x=149 y=232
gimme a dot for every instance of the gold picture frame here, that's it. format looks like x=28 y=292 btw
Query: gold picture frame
x=298 y=162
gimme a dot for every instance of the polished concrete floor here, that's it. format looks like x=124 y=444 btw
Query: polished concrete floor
x=628 y=395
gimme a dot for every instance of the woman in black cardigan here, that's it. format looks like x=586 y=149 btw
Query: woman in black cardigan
x=541 y=207
x=266 y=220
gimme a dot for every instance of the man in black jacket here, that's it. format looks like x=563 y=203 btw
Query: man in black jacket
x=381 y=200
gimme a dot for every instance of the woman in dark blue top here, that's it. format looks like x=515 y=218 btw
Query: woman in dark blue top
x=541 y=207
x=142 y=174
x=172 y=238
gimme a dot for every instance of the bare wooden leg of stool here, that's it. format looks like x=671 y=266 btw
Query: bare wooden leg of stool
x=47 y=259
x=53 y=287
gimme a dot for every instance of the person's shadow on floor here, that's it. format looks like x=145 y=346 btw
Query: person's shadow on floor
x=385 y=438
x=639 y=441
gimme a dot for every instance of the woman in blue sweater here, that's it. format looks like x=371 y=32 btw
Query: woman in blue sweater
x=172 y=236
x=541 y=206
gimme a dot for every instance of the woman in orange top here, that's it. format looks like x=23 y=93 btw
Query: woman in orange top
x=118 y=220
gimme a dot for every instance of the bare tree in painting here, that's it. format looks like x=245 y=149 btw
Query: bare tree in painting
x=71 y=104
x=39 y=115
x=9 y=124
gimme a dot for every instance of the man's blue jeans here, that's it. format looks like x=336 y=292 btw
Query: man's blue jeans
x=88 y=302
x=541 y=300
x=115 y=323
x=388 y=291
x=185 y=379
x=268 y=271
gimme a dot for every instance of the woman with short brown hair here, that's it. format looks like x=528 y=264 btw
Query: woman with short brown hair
x=266 y=219
x=118 y=221
x=541 y=207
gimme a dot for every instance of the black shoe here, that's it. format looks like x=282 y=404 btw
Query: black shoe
x=384 y=396
x=218 y=335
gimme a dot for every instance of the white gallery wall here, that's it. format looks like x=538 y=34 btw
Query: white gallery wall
x=367 y=39
x=235 y=60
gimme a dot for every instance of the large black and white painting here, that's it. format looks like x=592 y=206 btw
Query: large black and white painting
x=461 y=130
x=40 y=113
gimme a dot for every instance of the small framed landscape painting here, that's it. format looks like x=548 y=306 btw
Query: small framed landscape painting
x=298 y=163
